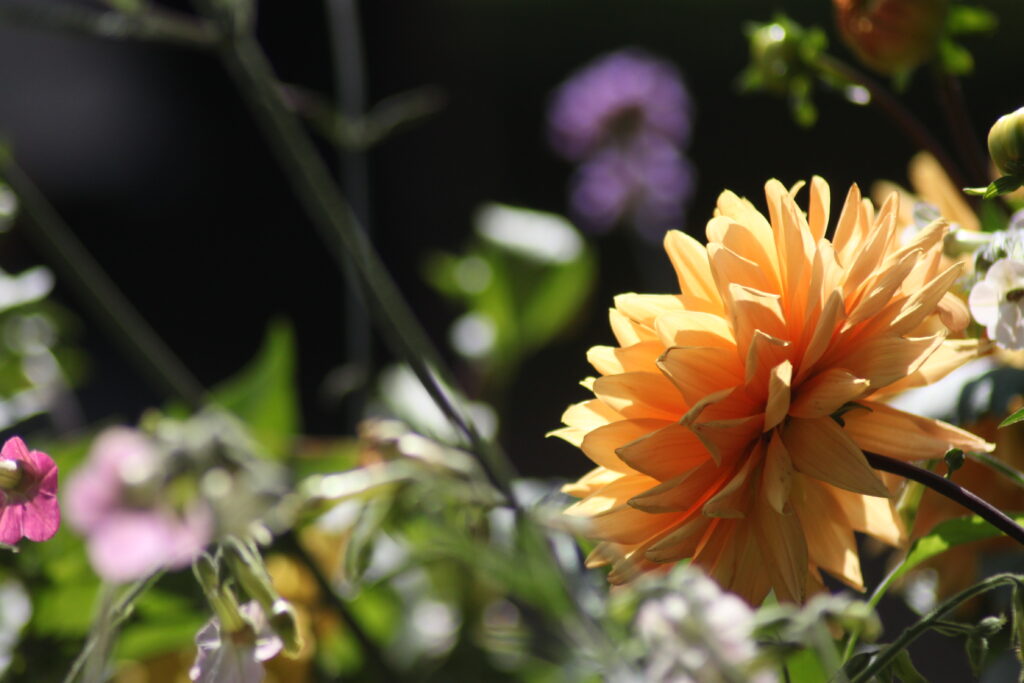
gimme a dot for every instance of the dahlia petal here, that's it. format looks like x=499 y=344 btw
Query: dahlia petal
x=698 y=372
x=847 y=235
x=755 y=310
x=868 y=258
x=690 y=261
x=824 y=329
x=645 y=308
x=684 y=493
x=885 y=359
x=679 y=542
x=885 y=286
x=928 y=177
x=784 y=548
x=752 y=244
x=926 y=239
x=820 y=449
x=628 y=525
x=665 y=453
x=777 y=405
x=817 y=212
x=830 y=541
x=777 y=477
x=954 y=312
x=743 y=212
x=724 y=438
x=611 y=496
x=897 y=434
x=870 y=515
x=590 y=414
x=693 y=328
x=924 y=301
x=749 y=580
x=826 y=392
x=733 y=499
x=626 y=331
x=763 y=355
x=601 y=443
x=641 y=357
x=641 y=394
x=729 y=267
x=950 y=355
x=591 y=482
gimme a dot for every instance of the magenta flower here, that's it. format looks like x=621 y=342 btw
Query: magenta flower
x=116 y=499
x=28 y=494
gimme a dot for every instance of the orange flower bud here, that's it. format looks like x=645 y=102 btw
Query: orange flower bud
x=891 y=36
x=1006 y=143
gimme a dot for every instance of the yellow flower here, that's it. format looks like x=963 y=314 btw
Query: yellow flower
x=729 y=423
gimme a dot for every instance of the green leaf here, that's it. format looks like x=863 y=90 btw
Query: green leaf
x=556 y=300
x=904 y=668
x=1013 y=419
x=966 y=19
x=955 y=58
x=263 y=394
x=805 y=667
x=948 y=534
x=65 y=610
x=149 y=639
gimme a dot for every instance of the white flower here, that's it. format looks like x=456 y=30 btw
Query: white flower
x=235 y=657
x=997 y=302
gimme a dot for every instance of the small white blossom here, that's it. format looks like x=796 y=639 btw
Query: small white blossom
x=997 y=302
x=238 y=657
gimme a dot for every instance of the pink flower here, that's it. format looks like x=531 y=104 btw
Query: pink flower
x=28 y=494
x=116 y=500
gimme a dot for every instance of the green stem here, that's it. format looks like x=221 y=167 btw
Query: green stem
x=98 y=293
x=347 y=243
x=110 y=620
x=153 y=24
x=909 y=635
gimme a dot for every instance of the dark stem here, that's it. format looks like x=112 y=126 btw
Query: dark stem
x=97 y=292
x=370 y=649
x=951 y=490
x=958 y=120
x=904 y=119
x=350 y=94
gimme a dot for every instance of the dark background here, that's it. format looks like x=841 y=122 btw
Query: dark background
x=152 y=158
x=150 y=155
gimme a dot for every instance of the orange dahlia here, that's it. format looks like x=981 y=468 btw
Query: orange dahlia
x=729 y=424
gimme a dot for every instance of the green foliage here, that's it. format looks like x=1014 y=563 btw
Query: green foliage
x=998 y=187
x=1014 y=418
x=263 y=395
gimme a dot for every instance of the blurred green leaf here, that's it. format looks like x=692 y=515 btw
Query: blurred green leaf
x=263 y=394
x=805 y=667
x=556 y=300
x=903 y=667
x=967 y=19
x=1016 y=417
x=151 y=638
x=955 y=58
x=64 y=610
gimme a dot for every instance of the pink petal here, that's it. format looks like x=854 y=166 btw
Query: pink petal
x=42 y=518
x=45 y=471
x=129 y=545
x=10 y=523
x=14 y=449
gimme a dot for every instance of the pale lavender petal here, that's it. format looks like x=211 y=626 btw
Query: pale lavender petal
x=189 y=536
x=89 y=497
x=984 y=303
x=129 y=545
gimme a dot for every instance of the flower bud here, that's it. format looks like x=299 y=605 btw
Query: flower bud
x=891 y=36
x=286 y=625
x=249 y=572
x=1006 y=143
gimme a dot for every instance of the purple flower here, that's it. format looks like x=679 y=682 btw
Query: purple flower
x=225 y=657
x=614 y=97
x=647 y=184
x=28 y=494
x=116 y=499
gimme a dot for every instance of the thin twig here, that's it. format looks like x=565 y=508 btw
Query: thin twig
x=904 y=119
x=951 y=490
x=954 y=108
x=344 y=238
x=369 y=647
x=151 y=25
x=97 y=292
